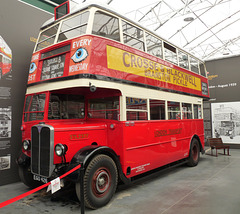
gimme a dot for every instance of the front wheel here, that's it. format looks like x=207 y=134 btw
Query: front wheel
x=27 y=177
x=194 y=154
x=100 y=182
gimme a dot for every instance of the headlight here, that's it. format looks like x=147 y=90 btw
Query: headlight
x=60 y=149
x=26 y=145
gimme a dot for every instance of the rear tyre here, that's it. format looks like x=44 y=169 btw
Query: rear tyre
x=100 y=182
x=194 y=153
x=27 y=177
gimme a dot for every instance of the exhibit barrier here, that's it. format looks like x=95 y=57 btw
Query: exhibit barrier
x=12 y=200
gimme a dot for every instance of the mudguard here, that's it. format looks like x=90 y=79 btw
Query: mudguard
x=201 y=148
x=23 y=160
x=85 y=155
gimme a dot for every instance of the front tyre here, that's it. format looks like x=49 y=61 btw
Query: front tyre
x=27 y=177
x=100 y=182
x=194 y=154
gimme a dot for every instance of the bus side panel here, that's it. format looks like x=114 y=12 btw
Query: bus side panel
x=149 y=145
x=170 y=133
x=138 y=155
x=194 y=127
x=115 y=141
x=143 y=151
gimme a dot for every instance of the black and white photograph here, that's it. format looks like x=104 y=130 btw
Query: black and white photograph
x=226 y=121
x=5 y=122
x=5 y=162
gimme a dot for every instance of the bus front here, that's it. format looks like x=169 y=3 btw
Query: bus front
x=64 y=113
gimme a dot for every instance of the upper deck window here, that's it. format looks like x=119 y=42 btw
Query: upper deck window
x=133 y=36
x=183 y=59
x=106 y=26
x=74 y=26
x=194 y=65
x=202 y=69
x=170 y=53
x=47 y=37
x=154 y=45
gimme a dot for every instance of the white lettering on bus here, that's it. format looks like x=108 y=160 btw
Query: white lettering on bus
x=82 y=42
x=78 y=67
x=31 y=77
x=35 y=57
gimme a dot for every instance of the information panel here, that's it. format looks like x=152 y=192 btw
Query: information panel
x=53 y=67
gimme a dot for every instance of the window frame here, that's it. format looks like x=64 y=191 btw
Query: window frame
x=187 y=112
x=27 y=111
x=106 y=110
x=143 y=41
x=61 y=105
x=108 y=14
x=137 y=110
x=73 y=28
x=164 y=107
x=169 y=112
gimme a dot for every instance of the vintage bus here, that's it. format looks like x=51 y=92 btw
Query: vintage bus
x=5 y=58
x=109 y=94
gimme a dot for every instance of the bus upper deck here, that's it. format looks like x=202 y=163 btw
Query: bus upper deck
x=94 y=42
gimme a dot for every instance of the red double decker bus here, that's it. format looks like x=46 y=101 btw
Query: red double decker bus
x=105 y=92
x=5 y=58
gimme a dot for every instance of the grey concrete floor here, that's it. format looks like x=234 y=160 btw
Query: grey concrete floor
x=213 y=187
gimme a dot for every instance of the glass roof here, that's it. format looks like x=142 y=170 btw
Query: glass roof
x=209 y=29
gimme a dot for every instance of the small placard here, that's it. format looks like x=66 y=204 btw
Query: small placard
x=55 y=185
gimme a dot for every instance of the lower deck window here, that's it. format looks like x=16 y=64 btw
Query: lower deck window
x=197 y=111
x=136 y=115
x=104 y=108
x=66 y=106
x=186 y=111
x=174 y=110
x=157 y=110
x=136 y=108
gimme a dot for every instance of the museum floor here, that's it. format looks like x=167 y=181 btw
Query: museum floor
x=213 y=187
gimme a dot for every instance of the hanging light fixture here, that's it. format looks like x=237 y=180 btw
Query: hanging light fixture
x=188 y=19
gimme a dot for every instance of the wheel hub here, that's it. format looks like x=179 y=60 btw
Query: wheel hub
x=102 y=181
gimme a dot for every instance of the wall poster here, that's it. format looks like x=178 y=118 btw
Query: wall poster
x=5 y=99
x=224 y=104
x=15 y=58
x=226 y=121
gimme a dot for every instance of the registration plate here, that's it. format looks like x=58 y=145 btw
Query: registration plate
x=40 y=178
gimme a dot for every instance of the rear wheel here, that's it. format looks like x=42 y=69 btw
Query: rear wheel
x=100 y=182
x=194 y=153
